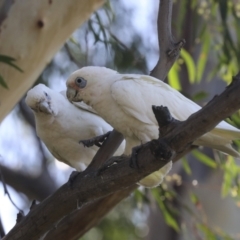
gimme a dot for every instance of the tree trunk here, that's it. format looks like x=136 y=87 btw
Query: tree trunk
x=32 y=31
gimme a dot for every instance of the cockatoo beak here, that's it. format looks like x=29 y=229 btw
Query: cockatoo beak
x=72 y=95
x=44 y=107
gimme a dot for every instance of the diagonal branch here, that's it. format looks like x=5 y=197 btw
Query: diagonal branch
x=38 y=187
x=90 y=186
x=108 y=148
x=7 y=192
x=73 y=227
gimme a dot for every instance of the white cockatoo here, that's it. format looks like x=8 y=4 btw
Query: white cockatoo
x=61 y=125
x=125 y=101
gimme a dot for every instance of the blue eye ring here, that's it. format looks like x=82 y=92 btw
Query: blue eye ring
x=80 y=82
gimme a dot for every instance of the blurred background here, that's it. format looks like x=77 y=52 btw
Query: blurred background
x=199 y=199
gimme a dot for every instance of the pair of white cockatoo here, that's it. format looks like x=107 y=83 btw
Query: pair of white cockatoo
x=122 y=100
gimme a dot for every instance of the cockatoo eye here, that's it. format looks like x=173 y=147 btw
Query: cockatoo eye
x=47 y=96
x=80 y=82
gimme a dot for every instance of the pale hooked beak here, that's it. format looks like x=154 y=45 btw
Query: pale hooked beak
x=72 y=94
x=45 y=107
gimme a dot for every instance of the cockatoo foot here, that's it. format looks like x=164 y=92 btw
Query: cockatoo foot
x=72 y=178
x=98 y=141
x=109 y=163
x=134 y=159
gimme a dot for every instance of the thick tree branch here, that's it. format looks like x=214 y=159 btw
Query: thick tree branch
x=73 y=227
x=90 y=186
x=168 y=49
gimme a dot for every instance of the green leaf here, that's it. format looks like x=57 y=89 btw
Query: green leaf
x=202 y=60
x=4 y=58
x=209 y=235
x=190 y=65
x=74 y=41
x=236 y=118
x=231 y=173
x=204 y=159
x=169 y=218
x=194 y=198
x=3 y=83
x=9 y=60
x=109 y=11
x=186 y=166
x=173 y=78
x=223 y=10
x=199 y=96
x=15 y=66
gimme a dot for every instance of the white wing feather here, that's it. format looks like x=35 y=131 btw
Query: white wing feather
x=130 y=98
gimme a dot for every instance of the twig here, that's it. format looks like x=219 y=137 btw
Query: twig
x=2 y=232
x=167 y=46
x=38 y=187
x=87 y=48
x=7 y=193
x=71 y=56
x=29 y=117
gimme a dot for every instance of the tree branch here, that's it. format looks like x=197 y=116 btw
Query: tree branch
x=90 y=186
x=35 y=188
x=168 y=49
x=73 y=227
x=108 y=148
x=71 y=56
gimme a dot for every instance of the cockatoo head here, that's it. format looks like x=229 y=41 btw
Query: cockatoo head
x=87 y=84
x=40 y=101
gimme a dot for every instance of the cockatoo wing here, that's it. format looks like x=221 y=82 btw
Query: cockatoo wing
x=227 y=131
x=129 y=91
x=129 y=94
